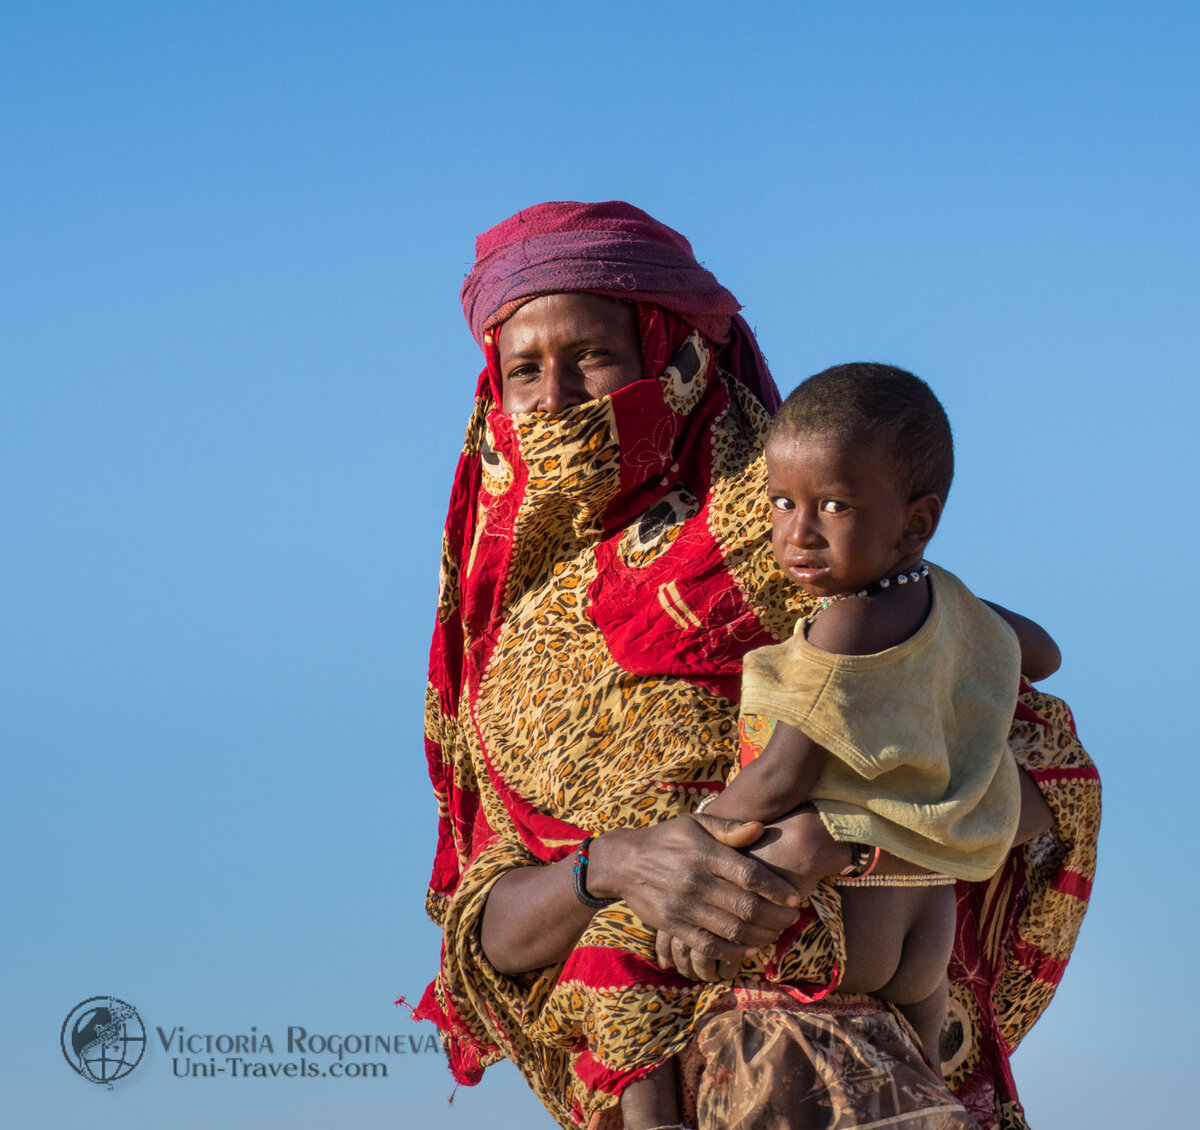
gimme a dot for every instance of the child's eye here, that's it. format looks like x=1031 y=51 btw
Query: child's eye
x=782 y=502
x=832 y=506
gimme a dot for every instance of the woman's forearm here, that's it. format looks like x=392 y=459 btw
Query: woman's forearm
x=532 y=918
x=685 y=875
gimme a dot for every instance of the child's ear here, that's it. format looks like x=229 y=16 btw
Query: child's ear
x=924 y=513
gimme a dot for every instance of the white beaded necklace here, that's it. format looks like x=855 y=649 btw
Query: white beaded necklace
x=918 y=573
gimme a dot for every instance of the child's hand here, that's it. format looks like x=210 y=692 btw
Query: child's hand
x=673 y=954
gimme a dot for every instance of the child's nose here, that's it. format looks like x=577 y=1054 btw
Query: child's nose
x=805 y=531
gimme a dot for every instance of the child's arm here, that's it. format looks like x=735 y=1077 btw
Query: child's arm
x=1040 y=656
x=1036 y=817
x=772 y=785
x=780 y=778
x=776 y=781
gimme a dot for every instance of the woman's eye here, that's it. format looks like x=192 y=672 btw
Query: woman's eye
x=832 y=506
x=781 y=502
x=522 y=373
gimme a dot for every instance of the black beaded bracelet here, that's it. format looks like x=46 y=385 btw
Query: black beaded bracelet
x=863 y=858
x=580 y=875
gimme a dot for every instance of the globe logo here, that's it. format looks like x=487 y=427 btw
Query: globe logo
x=103 y=1039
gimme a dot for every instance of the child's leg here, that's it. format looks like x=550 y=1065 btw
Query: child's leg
x=652 y=1103
x=898 y=943
x=927 y=1017
x=920 y=987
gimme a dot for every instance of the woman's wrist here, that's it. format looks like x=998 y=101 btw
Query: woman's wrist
x=607 y=855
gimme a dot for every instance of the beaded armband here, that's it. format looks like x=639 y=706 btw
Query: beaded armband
x=580 y=877
x=863 y=860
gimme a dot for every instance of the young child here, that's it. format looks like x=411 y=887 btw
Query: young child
x=891 y=704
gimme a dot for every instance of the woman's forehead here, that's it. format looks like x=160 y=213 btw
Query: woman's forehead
x=567 y=313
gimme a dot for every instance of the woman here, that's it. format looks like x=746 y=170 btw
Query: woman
x=605 y=568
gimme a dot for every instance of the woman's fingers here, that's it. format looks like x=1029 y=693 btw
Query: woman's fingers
x=710 y=968
x=711 y=933
x=705 y=953
x=730 y=911
x=679 y=877
x=739 y=869
x=674 y=954
x=681 y=958
x=662 y=947
x=733 y=833
x=705 y=925
x=727 y=970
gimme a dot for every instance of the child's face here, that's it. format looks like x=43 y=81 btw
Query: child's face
x=840 y=520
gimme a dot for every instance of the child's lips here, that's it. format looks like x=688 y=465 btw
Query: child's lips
x=807 y=571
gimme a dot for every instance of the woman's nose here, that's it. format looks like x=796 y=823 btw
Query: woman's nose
x=561 y=387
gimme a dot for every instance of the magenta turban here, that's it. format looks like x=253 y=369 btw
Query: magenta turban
x=616 y=250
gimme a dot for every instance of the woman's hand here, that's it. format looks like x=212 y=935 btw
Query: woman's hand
x=685 y=875
x=798 y=849
x=687 y=878
x=673 y=954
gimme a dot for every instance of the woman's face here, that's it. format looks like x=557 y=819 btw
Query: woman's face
x=562 y=349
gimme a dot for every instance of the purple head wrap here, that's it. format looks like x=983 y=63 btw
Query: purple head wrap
x=613 y=249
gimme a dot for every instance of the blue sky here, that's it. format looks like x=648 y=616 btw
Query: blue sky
x=235 y=377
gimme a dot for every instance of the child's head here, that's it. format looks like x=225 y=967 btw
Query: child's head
x=859 y=460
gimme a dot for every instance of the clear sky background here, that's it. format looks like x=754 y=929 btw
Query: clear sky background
x=234 y=377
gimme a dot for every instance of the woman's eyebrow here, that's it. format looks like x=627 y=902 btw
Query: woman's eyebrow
x=588 y=337
x=582 y=339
